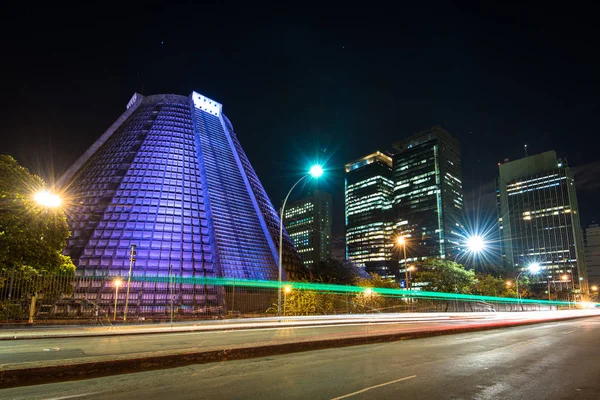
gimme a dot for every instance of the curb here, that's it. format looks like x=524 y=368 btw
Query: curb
x=152 y=361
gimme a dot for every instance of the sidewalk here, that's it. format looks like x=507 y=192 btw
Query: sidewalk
x=51 y=358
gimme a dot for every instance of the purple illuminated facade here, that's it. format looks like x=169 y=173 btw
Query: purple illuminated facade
x=170 y=177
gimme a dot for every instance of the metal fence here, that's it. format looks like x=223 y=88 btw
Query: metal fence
x=108 y=299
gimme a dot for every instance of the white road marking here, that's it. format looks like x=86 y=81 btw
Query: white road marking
x=72 y=396
x=373 y=387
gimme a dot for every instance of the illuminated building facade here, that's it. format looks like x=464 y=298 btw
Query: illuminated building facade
x=170 y=178
x=539 y=220
x=308 y=223
x=368 y=192
x=591 y=238
x=428 y=197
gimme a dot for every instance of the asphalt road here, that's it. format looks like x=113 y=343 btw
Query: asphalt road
x=547 y=361
x=22 y=351
x=55 y=349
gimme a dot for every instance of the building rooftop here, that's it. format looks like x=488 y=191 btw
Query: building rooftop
x=425 y=136
x=378 y=155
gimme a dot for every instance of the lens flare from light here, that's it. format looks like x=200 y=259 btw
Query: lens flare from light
x=475 y=244
x=47 y=199
x=316 y=171
x=534 y=268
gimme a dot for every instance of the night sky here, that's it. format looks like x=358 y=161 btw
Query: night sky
x=315 y=83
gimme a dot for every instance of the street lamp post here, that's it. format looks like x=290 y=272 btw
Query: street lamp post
x=410 y=269
x=47 y=200
x=534 y=269
x=117 y=284
x=402 y=241
x=286 y=290
x=565 y=279
x=315 y=171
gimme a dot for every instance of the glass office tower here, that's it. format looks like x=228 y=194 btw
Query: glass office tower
x=539 y=220
x=591 y=238
x=368 y=194
x=308 y=222
x=170 y=178
x=428 y=195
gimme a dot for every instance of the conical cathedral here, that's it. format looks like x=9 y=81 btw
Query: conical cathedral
x=170 y=178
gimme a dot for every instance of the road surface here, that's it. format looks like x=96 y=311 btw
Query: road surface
x=53 y=349
x=547 y=361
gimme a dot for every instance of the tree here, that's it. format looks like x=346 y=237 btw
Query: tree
x=376 y=281
x=440 y=275
x=490 y=285
x=369 y=301
x=31 y=237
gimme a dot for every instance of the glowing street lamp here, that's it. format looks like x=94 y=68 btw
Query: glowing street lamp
x=532 y=268
x=565 y=279
x=475 y=244
x=46 y=199
x=594 y=288
x=118 y=282
x=402 y=242
x=508 y=283
x=315 y=172
x=286 y=289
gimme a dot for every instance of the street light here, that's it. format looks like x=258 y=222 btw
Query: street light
x=118 y=283
x=594 y=288
x=475 y=244
x=508 y=283
x=286 y=289
x=532 y=268
x=315 y=171
x=402 y=242
x=46 y=199
x=565 y=278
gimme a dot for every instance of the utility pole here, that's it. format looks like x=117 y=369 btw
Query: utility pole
x=131 y=261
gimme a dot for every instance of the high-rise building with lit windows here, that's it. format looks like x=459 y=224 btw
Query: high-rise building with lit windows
x=428 y=196
x=591 y=238
x=368 y=193
x=170 y=178
x=539 y=220
x=308 y=223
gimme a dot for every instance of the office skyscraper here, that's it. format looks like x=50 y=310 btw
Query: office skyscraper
x=539 y=219
x=428 y=196
x=308 y=222
x=592 y=253
x=170 y=177
x=368 y=191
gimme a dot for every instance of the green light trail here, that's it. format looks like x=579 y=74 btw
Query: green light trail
x=334 y=288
